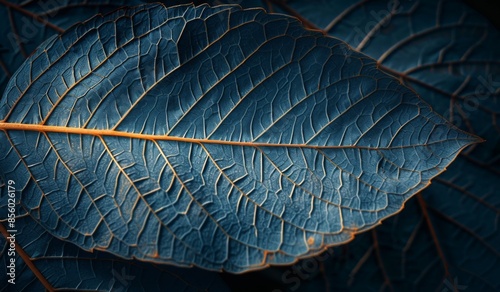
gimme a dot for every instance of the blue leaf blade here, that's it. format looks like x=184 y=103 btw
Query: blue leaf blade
x=127 y=162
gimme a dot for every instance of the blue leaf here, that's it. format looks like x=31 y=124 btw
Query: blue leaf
x=219 y=137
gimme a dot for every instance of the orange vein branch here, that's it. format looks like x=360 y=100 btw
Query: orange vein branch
x=27 y=260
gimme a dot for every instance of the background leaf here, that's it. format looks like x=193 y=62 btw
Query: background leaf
x=266 y=154
x=26 y=24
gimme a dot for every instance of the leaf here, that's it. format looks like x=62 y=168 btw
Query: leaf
x=447 y=238
x=216 y=137
x=26 y=24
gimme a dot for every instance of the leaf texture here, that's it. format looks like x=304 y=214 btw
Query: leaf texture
x=218 y=137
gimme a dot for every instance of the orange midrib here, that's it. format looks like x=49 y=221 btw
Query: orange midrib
x=102 y=133
x=152 y=137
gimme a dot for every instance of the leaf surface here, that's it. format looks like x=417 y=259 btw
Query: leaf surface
x=224 y=138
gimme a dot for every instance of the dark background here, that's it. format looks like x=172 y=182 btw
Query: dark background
x=490 y=9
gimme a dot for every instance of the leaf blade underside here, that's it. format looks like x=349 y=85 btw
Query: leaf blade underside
x=215 y=137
